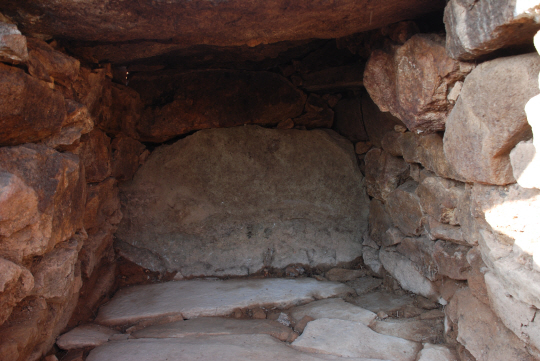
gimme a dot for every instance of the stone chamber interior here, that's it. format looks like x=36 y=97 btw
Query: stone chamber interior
x=341 y=180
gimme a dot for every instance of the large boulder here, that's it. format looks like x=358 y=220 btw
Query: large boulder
x=179 y=103
x=234 y=201
x=489 y=119
x=412 y=81
x=475 y=29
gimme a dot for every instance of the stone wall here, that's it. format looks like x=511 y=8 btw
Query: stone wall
x=448 y=220
x=62 y=153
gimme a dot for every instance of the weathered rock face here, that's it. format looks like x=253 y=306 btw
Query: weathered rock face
x=412 y=82
x=213 y=99
x=12 y=44
x=228 y=23
x=474 y=29
x=384 y=173
x=50 y=65
x=246 y=198
x=489 y=120
x=404 y=208
x=56 y=180
x=29 y=109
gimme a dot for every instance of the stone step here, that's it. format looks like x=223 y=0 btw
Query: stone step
x=216 y=326
x=334 y=308
x=353 y=339
x=198 y=298
x=383 y=301
x=411 y=329
x=206 y=348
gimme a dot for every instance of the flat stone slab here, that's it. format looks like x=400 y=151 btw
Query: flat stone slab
x=412 y=330
x=205 y=348
x=365 y=284
x=85 y=336
x=213 y=326
x=353 y=339
x=437 y=353
x=334 y=308
x=383 y=301
x=199 y=298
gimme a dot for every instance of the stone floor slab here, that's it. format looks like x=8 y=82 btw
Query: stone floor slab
x=436 y=353
x=213 y=326
x=85 y=336
x=383 y=301
x=353 y=339
x=199 y=298
x=365 y=284
x=412 y=330
x=334 y=308
x=205 y=348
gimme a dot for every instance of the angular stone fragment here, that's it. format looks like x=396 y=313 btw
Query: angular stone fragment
x=483 y=334
x=344 y=275
x=371 y=260
x=489 y=120
x=317 y=114
x=191 y=299
x=384 y=301
x=365 y=284
x=95 y=154
x=348 y=77
x=432 y=352
x=78 y=122
x=18 y=204
x=55 y=273
x=412 y=82
x=379 y=221
x=206 y=348
x=437 y=230
x=12 y=44
x=412 y=330
x=50 y=65
x=349 y=120
x=89 y=335
x=16 y=282
x=518 y=316
x=273 y=198
x=213 y=99
x=126 y=154
x=403 y=205
x=393 y=236
x=428 y=151
x=451 y=260
x=439 y=197
x=476 y=29
x=384 y=173
x=334 y=308
x=57 y=180
x=214 y=326
x=420 y=250
x=404 y=271
x=29 y=109
x=341 y=338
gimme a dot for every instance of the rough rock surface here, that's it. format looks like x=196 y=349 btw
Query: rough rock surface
x=432 y=352
x=178 y=103
x=404 y=208
x=412 y=82
x=57 y=180
x=412 y=330
x=353 y=339
x=50 y=65
x=525 y=162
x=247 y=198
x=200 y=22
x=489 y=120
x=16 y=282
x=29 y=110
x=191 y=299
x=483 y=334
x=206 y=348
x=384 y=173
x=406 y=273
x=12 y=44
x=214 y=326
x=476 y=29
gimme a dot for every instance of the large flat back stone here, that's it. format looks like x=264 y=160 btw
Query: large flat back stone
x=234 y=201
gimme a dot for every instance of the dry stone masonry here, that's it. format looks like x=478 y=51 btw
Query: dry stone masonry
x=346 y=180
